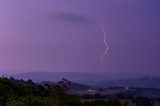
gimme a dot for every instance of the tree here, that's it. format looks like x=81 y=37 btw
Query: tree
x=114 y=102
x=142 y=101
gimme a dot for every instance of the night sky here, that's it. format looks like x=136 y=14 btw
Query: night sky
x=66 y=36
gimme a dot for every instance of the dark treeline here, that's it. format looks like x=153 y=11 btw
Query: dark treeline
x=15 y=92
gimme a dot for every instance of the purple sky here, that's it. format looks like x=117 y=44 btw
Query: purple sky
x=65 y=35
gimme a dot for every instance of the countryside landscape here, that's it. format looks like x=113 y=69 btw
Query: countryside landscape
x=79 y=53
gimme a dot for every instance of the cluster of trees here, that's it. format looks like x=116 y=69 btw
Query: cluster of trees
x=27 y=93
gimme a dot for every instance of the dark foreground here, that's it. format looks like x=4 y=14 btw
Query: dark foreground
x=28 y=93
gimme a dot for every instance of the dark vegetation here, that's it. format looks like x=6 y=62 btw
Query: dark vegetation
x=28 y=93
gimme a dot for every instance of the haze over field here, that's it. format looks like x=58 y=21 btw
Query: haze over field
x=66 y=36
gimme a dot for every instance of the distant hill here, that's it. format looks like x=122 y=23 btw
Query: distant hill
x=145 y=82
x=73 y=76
x=93 y=79
x=56 y=76
x=73 y=86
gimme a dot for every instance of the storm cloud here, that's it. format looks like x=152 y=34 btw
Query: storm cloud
x=65 y=35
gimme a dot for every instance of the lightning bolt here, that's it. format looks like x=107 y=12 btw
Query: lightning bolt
x=105 y=44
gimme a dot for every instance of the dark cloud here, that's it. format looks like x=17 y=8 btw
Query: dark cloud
x=71 y=17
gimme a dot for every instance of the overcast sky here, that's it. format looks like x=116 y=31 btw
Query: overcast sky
x=66 y=35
